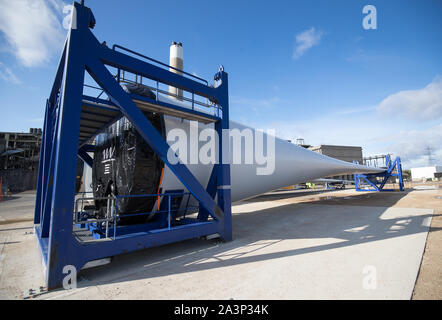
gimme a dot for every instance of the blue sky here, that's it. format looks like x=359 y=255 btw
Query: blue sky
x=305 y=68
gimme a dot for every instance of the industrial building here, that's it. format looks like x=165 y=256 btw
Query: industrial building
x=19 y=156
x=16 y=146
x=424 y=173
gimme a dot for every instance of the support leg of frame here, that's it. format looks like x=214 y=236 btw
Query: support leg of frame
x=223 y=177
x=61 y=250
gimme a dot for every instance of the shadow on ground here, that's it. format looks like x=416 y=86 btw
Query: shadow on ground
x=256 y=230
x=382 y=199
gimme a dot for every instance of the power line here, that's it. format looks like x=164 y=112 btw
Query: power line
x=429 y=153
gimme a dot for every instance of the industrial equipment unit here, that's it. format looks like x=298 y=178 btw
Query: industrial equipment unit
x=377 y=181
x=138 y=197
x=73 y=120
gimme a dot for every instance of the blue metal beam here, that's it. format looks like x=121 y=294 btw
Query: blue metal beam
x=41 y=162
x=58 y=77
x=142 y=241
x=66 y=146
x=50 y=156
x=223 y=177
x=82 y=153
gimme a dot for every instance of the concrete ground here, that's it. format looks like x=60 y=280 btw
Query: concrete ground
x=287 y=245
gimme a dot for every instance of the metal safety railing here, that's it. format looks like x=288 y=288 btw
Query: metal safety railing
x=121 y=77
x=115 y=46
x=193 y=102
x=378 y=161
x=112 y=216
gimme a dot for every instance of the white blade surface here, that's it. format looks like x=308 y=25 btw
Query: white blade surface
x=293 y=164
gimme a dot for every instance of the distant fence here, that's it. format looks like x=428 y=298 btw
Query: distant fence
x=18 y=180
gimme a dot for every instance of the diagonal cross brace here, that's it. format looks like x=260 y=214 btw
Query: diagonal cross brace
x=82 y=154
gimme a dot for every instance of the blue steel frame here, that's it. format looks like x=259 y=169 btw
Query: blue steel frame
x=371 y=180
x=53 y=217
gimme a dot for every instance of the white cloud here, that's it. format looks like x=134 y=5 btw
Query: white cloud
x=421 y=104
x=412 y=146
x=305 y=40
x=355 y=110
x=359 y=126
x=325 y=129
x=8 y=75
x=32 y=29
x=367 y=130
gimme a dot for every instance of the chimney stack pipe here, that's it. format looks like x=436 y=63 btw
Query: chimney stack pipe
x=176 y=61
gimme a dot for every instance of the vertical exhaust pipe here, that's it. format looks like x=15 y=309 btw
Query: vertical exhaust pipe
x=176 y=61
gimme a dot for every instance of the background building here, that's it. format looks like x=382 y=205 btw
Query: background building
x=422 y=173
x=27 y=144
x=19 y=156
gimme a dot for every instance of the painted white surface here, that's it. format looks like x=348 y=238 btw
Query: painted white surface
x=424 y=172
x=176 y=51
x=293 y=164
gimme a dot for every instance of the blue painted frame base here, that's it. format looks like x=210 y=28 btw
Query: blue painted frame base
x=377 y=181
x=63 y=141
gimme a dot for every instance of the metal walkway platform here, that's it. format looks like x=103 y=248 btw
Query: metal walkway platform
x=97 y=114
x=94 y=118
